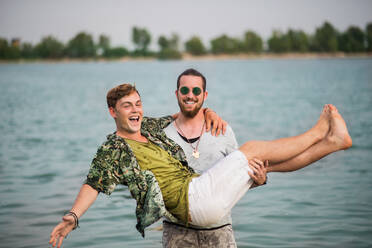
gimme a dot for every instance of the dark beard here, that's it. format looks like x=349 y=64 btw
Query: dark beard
x=189 y=114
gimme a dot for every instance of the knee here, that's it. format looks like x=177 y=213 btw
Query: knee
x=249 y=149
x=250 y=144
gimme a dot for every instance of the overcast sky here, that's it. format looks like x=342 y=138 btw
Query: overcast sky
x=31 y=20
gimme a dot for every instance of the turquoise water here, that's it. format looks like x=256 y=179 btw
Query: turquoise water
x=53 y=118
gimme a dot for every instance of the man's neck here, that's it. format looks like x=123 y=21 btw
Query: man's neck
x=190 y=127
x=137 y=136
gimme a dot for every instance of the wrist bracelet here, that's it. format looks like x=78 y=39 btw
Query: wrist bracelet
x=76 y=219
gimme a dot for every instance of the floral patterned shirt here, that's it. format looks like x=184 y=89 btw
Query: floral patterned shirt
x=115 y=163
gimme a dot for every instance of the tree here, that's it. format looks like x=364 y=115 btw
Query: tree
x=195 y=46
x=174 y=41
x=225 y=45
x=3 y=48
x=27 y=51
x=325 y=38
x=81 y=46
x=171 y=43
x=279 y=42
x=103 y=45
x=116 y=52
x=14 y=52
x=169 y=47
x=49 y=47
x=352 y=40
x=163 y=42
x=141 y=39
x=298 y=41
x=252 y=43
x=369 y=37
x=9 y=51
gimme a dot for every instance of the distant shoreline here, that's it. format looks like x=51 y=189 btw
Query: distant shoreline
x=207 y=57
x=277 y=56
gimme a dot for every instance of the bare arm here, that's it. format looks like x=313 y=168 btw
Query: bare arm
x=84 y=200
x=214 y=122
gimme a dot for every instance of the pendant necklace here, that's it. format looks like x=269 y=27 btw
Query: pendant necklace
x=195 y=152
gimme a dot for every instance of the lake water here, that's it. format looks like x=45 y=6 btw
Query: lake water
x=54 y=116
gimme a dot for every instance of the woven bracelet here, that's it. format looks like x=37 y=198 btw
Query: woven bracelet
x=75 y=218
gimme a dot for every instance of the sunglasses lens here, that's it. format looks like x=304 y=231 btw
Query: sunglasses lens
x=196 y=91
x=184 y=90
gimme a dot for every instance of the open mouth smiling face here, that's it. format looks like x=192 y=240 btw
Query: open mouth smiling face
x=134 y=123
x=190 y=102
x=134 y=119
x=128 y=113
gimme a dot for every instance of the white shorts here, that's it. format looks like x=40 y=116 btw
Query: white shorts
x=213 y=194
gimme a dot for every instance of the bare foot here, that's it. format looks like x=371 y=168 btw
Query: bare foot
x=322 y=127
x=338 y=134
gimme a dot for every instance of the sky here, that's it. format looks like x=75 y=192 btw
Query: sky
x=31 y=20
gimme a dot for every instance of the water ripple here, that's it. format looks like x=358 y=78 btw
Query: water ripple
x=42 y=178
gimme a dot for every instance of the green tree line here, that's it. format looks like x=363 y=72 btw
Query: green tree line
x=326 y=38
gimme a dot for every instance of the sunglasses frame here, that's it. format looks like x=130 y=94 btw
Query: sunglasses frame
x=185 y=90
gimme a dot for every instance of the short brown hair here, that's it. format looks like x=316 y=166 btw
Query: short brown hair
x=116 y=93
x=192 y=72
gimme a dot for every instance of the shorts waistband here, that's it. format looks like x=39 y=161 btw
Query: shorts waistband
x=194 y=228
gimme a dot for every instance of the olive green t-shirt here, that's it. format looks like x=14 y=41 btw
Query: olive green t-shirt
x=172 y=177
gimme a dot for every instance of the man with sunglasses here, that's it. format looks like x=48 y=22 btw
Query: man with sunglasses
x=202 y=149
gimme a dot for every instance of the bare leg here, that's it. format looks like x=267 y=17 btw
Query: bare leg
x=227 y=190
x=337 y=139
x=286 y=148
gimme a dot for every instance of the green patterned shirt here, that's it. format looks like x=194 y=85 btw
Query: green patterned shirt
x=115 y=163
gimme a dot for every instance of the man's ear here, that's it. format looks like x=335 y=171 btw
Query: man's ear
x=176 y=92
x=112 y=112
x=205 y=95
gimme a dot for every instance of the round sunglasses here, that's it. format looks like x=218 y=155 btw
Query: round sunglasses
x=185 y=90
